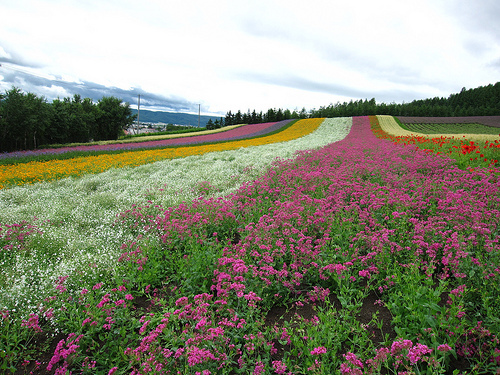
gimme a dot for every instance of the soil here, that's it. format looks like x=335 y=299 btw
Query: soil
x=276 y=316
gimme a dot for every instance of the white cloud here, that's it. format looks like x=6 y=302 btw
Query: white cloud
x=4 y=54
x=231 y=55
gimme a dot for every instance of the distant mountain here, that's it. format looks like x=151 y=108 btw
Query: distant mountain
x=173 y=118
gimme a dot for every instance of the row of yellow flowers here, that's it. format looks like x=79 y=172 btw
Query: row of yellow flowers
x=20 y=174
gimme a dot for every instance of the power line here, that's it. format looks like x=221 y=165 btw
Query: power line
x=138 y=112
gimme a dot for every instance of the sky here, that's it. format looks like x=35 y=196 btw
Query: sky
x=230 y=55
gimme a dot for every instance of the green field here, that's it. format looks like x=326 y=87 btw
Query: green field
x=456 y=128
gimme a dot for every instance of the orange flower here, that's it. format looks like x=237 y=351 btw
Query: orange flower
x=19 y=174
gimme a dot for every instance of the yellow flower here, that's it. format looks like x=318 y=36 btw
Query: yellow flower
x=23 y=173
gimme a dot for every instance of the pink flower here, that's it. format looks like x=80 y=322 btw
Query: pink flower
x=444 y=348
x=259 y=368
x=32 y=322
x=144 y=326
x=198 y=355
x=415 y=353
x=353 y=359
x=319 y=350
x=398 y=346
x=279 y=367
x=182 y=301
x=364 y=273
x=458 y=291
x=86 y=321
x=345 y=369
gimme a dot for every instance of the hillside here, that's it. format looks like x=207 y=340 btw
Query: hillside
x=173 y=118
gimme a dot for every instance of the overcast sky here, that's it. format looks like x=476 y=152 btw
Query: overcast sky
x=248 y=54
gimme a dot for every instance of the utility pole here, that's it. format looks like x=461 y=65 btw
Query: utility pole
x=138 y=112
x=199 y=110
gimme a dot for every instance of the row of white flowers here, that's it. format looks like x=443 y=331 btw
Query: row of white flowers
x=76 y=215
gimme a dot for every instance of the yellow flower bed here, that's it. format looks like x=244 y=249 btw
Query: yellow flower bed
x=32 y=172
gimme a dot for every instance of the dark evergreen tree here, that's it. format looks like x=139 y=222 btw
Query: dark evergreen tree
x=229 y=119
x=279 y=115
x=210 y=124
x=270 y=115
x=238 y=118
x=246 y=118
x=255 y=118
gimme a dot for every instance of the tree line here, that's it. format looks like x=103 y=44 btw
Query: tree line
x=480 y=101
x=272 y=115
x=28 y=121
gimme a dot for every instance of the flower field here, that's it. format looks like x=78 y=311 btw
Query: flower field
x=458 y=128
x=470 y=150
x=493 y=121
x=32 y=172
x=358 y=255
x=474 y=132
x=218 y=135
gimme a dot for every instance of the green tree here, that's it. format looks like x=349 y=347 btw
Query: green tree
x=229 y=119
x=112 y=118
x=25 y=118
x=270 y=116
x=89 y=113
x=80 y=121
x=238 y=118
x=279 y=115
x=59 y=129
x=210 y=124
x=303 y=113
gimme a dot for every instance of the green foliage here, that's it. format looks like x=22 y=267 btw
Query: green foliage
x=452 y=129
x=28 y=121
x=112 y=118
x=23 y=120
x=481 y=101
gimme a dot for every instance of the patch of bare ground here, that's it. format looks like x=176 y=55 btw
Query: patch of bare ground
x=279 y=315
